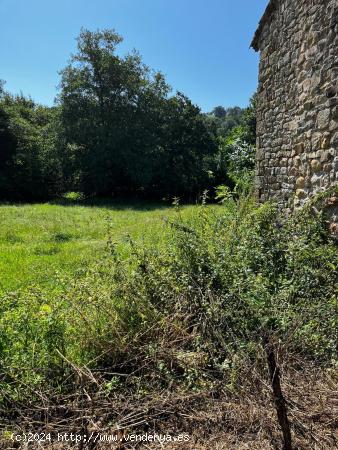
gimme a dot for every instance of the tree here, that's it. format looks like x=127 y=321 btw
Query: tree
x=219 y=112
x=248 y=121
x=236 y=155
x=189 y=144
x=129 y=136
x=105 y=101
x=225 y=119
x=28 y=159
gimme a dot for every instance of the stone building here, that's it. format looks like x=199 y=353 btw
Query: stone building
x=297 y=121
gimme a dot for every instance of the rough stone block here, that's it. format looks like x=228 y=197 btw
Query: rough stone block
x=299 y=148
x=323 y=119
x=316 y=165
x=300 y=182
x=300 y=193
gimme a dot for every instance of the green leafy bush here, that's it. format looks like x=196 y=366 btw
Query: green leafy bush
x=73 y=197
x=30 y=331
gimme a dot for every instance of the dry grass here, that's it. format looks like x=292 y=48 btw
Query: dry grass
x=215 y=419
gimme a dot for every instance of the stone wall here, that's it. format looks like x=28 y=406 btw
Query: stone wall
x=297 y=117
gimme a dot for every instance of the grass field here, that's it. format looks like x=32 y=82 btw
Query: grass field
x=37 y=241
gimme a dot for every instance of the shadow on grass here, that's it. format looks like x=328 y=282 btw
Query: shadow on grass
x=116 y=205
x=107 y=203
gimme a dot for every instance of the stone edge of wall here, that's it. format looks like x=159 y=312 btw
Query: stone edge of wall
x=265 y=18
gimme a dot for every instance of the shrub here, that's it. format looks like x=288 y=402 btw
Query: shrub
x=73 y=197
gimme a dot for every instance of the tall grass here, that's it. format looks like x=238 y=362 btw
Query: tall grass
x=41 y=240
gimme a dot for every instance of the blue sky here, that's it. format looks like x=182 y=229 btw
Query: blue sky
x=202 y=46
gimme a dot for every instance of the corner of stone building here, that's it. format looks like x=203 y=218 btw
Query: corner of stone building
x=297 y=110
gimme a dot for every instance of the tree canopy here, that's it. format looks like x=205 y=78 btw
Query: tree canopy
x=116 y=129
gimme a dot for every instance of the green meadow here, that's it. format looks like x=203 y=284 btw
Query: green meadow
x=38 y=242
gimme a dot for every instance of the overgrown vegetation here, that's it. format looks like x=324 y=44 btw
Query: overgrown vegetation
x=183 y=316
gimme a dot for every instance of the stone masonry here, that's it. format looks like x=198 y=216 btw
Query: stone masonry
x=297 y=113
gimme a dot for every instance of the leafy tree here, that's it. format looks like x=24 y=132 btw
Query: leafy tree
x=235 y=159
x=104 y=99
x=128 y=136
x=225 y=119
x=248 y=122
x=219 y=111
x=28 y=160
x=189 y=145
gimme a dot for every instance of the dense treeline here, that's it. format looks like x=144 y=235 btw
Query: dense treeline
x=116 y=130
x=30 y=163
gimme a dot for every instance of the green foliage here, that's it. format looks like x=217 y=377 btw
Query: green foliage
x=237 y=156
x=130 y=137
x=223 y=193
x=264 y=275
x=73 y=197
x=30 y=330
x=225 y=119
x=234 y=162
x=30 y=167
x=184 y=310
x=117 y=130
